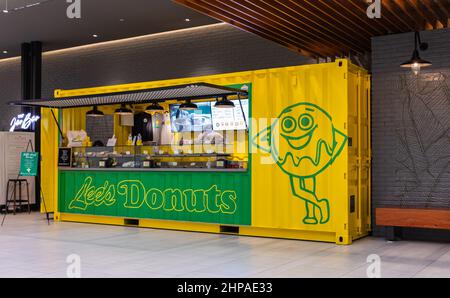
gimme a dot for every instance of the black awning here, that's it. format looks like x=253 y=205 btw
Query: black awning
x=180 y=92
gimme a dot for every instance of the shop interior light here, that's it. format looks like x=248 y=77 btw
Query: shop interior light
x=224 y=103
x=95 y=112
x=123 y=110
x=188 y=106
x=416 y=63
x=154 y=107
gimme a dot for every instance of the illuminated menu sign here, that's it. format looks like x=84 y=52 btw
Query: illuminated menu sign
x=230 y=119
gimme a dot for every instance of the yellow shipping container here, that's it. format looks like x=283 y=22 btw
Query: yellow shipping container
x=318 y=185
x=310 y=161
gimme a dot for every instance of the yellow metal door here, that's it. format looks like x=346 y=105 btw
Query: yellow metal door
x=359 y=153
x=365 y=154
x=354 y=148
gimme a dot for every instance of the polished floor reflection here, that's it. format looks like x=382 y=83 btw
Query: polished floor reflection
x=30 y=248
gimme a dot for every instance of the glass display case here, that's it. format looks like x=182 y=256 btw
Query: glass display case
x=162 y=156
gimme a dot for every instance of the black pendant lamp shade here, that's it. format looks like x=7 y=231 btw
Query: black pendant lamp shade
x=154 y=107
x=123 y=110
x=224 y=103
x=95 y=112
x=416 y=62
x=188 y=106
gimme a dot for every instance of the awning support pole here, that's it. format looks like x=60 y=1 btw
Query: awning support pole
x=242 y=110
x=57 y=124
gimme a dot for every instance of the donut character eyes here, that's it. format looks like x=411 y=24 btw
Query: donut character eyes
x=305 y=122
x=289 y=124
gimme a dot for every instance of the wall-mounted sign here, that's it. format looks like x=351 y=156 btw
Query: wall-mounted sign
x=23 y=121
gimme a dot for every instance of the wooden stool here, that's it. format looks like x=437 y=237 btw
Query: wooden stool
x=14 y=199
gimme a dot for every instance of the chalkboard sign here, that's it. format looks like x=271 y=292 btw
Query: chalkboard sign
x=64 y=157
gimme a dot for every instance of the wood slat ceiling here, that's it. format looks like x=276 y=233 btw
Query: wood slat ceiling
x=325 y=28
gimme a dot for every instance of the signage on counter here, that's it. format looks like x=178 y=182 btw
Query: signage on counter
x=136 y=195
x=23 y=121
x=29 y=164
x=199 y=197
x=64 y=157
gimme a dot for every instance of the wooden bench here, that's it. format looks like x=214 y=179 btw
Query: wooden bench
x=411 y=218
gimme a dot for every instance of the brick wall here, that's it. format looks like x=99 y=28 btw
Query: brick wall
x=411 y=124
x=211 y=50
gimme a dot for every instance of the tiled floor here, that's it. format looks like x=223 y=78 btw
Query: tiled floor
x=30 y=248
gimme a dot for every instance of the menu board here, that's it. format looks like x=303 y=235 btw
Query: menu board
x=191 y=120
x=230 y=119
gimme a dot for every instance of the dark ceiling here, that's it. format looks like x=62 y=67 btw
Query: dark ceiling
x=48 y=22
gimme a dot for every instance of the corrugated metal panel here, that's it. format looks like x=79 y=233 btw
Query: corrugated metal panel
x=49 y=163
x=193 y=91
x=317 y=105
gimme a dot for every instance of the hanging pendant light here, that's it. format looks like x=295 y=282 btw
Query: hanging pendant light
x=416 y=63
x=95 y=112
x=123 y=110
x=224 y=103
x=154 y=107
x=188 y=106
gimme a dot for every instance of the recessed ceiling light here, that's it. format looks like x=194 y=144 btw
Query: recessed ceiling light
x=5 y=52
x=94 y=35
x=187 y=20
x=32 y=4
x=122 y=20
